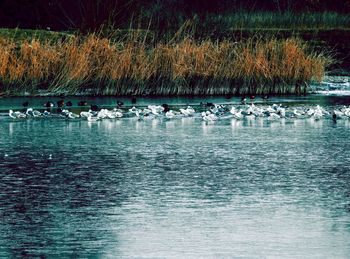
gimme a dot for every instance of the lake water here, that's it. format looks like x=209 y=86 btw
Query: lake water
x=175 y=188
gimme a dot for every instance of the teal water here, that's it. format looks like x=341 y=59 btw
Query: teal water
x=175 y=188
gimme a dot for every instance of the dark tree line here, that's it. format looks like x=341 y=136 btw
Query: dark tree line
x=91 y=14
x=65 y=14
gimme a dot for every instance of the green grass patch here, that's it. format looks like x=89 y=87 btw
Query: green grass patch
x=20 y=35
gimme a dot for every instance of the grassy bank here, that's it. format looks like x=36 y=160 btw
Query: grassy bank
x=20 y=35
x=276 y=20
x=133 y=66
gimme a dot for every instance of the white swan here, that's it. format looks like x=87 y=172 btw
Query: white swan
x=169 y=114
x=317 y=115
x=310 y=112
x=64 y=113
x=46 y=113
x=339 y=114
x=238 y=115
x=233 y=110
x=146 y=112
x=111 y=115
x=258 y=112
x=102 y=114
x=135 y=111
x=250 y=109
x=322 y=110
x=16 y=115
x=270 y=109
x=72 y=115
x=273 y=116
x=31 y=112
x=281 y=111
x=297 y=114
x=217 y=109
x=85 y=114
x=188 y=111
x=208 y=116
x=156 y=109
x=116 y=113
x=346 y=111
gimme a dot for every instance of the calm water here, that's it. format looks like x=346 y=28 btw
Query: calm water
x=181 y=188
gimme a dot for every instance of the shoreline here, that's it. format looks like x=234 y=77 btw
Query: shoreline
x=327 y=80
x=127 y=102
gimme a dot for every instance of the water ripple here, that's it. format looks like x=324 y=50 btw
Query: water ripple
x=174 y=189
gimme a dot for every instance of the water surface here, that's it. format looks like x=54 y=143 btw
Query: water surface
x=175 y=188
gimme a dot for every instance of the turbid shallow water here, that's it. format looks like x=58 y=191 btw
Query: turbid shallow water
x=175 y=188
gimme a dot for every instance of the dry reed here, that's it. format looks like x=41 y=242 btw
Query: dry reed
x=94 y=65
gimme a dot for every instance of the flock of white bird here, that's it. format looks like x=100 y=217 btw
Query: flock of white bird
x=209 y=114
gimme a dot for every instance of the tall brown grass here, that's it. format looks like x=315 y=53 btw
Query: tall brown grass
x=95 y=65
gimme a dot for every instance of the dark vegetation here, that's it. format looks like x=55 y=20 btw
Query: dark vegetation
x=170 y=47
x=92 y=14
